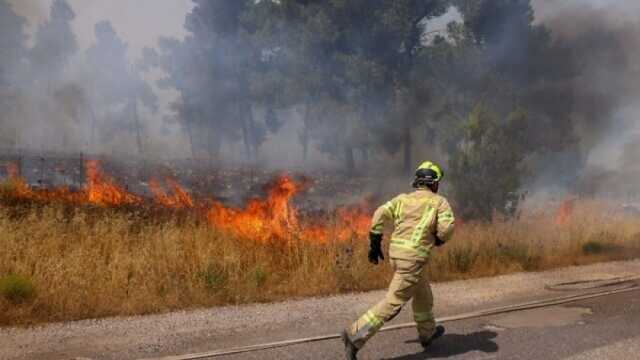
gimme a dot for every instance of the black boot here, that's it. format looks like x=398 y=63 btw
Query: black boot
x=438 y=333
x=350 y=349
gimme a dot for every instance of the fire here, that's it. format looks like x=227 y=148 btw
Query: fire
x=19 y=187
x=355 y=220
x=101 y=191
x=22 y=190
x=564 y=211
x=179 y=198
x=13 y=171
x=272 y=218
x=275 y=218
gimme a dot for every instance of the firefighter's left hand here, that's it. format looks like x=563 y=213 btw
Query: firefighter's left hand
x=375 y=248
x=374 y=255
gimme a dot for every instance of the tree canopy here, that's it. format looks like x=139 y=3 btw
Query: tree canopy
x=368 y=83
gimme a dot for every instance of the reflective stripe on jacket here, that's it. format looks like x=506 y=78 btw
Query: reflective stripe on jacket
x=417 y=217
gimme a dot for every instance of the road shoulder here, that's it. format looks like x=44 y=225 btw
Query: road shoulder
x=229 y=326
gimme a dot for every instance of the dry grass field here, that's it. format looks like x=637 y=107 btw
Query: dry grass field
x=64 y=261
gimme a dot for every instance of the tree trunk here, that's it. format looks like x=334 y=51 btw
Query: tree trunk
x=248 y=131
x=253 y=148
x=350 y=163
x=134 y=109
x=365 y=117
x=246 y=137
x=187 y=126
x=92 y=129
x=408 y=143
x=304 y=138
x=213 y=144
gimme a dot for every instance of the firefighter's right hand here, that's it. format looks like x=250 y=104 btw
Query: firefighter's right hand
x=375 y=248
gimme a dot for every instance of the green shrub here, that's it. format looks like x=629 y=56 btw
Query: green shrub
x=594 y=247
x=258 y=276
x=520 y=254
x=214 y=277
x=461 y=259
x=17 y=289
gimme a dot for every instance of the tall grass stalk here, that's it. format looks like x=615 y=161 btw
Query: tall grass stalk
x=86 y=262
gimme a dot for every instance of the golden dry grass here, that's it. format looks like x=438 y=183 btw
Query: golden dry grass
x=87 y=262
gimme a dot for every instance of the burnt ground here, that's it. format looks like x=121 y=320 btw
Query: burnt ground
x=322 y=190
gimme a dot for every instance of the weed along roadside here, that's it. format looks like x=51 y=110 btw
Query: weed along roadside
x=62 y=262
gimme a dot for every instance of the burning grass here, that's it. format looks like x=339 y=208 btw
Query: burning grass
x=84 y=259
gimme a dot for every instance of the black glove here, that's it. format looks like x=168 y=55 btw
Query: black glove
x=439 y=241
x=375 y=248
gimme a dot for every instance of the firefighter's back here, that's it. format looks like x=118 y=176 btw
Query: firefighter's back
x=415 y=223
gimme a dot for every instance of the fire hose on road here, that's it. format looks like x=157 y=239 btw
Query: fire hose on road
x=603 y=287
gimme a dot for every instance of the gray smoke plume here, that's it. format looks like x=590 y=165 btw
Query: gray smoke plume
x=75 y=86
x=604 y=37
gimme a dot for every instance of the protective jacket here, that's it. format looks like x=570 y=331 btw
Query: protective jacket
x=418 y=217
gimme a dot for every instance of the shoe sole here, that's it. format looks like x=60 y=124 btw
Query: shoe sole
x=440 y=330
x=347 y=345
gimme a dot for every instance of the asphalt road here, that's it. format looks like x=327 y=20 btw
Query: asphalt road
x=607 y=327
x=602 y=328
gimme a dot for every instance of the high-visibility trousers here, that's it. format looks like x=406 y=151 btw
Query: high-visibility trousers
x=409 y=282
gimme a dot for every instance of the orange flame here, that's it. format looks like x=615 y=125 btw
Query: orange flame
x=179 y=198
x=564 y=211
x=101 y=191
x=355 y=220
x=21 y=189
x=262 y=220
x=272 y=218
x=13 y=171
x=98 y=190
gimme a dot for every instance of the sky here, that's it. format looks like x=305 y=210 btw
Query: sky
x=140 y=22
x=625 y=9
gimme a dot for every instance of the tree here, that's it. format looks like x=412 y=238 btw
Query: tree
x=495 y=67
x=218 y=26
x=55 y=44
x=218 y=70
x=12 y=65
x=12 y=45
x=54 y=47
x=178 y=61
x=357 y=53
x=117 y=82
x=404 y=24
x=366 y=77
x=487 y=168
x=206 y=109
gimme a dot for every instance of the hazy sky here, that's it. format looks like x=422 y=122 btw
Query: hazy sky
x=142 y=22
x=622 y=9
x=139 y=22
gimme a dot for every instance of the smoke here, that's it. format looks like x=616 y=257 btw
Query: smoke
x=604 y=38
x=60 y=101
x=77 y=107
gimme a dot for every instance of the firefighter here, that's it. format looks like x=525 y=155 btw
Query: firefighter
x=422 y=219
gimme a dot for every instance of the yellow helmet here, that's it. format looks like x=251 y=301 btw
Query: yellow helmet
x=429 y=172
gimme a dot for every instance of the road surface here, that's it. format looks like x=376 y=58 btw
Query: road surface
x=602 y=328
x=607 y=327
